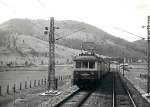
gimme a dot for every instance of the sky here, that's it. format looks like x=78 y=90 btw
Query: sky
x=128 y=15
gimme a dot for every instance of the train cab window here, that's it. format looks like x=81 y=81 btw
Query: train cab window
x=78 y=64
x=91 y=64
x=85 y=64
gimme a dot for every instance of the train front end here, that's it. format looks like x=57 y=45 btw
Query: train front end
x=85 y=70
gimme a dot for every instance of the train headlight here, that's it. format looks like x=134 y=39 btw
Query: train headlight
x=76 y=73
x=92 y=73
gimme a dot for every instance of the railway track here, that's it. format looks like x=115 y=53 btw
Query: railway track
x=101 y=96
x=76 y=99
x=121 y=93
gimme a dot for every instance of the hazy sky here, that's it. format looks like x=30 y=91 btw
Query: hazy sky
x=129 y=15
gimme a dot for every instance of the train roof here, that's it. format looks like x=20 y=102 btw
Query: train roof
x=87 y=56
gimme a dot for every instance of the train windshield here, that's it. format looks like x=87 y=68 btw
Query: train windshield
x=78 y=64
x=91 y=64
x=85 y=64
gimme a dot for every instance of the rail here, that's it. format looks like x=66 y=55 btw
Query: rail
x=114 y=99
x=67 y=98
x=80 y=103
x=128 y=92
x=125 y=88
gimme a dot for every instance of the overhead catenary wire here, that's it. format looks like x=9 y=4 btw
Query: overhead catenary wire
x=70 y=33
x=129 y=33
x=38 y=27
x=41 y=3
x=8 y=6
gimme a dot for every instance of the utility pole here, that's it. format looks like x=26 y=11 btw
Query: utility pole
x=123 y=63
x=148 y=54
x=52 y=82
x=123 y=66
x=51 y=67
x=148 y=50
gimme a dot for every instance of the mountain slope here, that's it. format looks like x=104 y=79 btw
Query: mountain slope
x=19 y=48
x=141 y=43
x=106 y=44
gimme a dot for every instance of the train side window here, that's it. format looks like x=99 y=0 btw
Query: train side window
x=78 y=64
x=85 y=64
x=91 y=64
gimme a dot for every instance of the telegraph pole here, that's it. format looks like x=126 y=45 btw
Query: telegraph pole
x=123 y=64
x=52 y=83
x=148 y=50
x=148 y=54
x=51 y=66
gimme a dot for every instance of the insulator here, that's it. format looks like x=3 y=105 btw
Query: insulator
x=57 y=28
x=45 y=32
x=46 y=28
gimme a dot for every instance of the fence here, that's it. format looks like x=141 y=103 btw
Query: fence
x=144 y=76
x=9 y=89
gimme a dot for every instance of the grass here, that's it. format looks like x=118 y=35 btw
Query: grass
x=41 y=72
x=134 y=76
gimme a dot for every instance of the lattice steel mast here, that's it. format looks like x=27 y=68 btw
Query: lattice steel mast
x=148 y=50
x=148 y=54
x=51 y=68
x=52 y=83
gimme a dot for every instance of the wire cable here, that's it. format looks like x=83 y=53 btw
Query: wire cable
x=70 y=33
x=129 y=32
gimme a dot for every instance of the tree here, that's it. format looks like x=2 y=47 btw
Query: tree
x=42 y=62
x=26 y=63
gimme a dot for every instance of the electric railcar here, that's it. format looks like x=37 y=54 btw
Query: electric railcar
x=89 y=69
